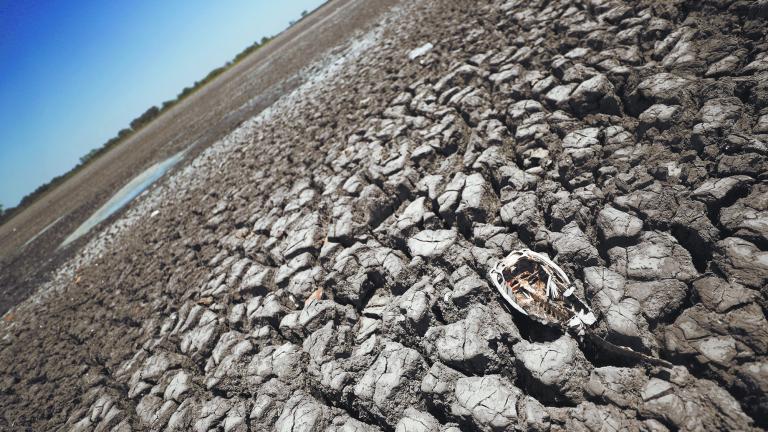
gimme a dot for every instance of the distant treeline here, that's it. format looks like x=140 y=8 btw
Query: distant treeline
x=136 y=124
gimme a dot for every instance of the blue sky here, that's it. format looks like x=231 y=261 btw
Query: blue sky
x=73 y=73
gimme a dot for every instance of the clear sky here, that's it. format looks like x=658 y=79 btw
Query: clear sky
x=73 y=73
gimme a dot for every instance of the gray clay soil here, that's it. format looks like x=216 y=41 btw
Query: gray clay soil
x=625 y=139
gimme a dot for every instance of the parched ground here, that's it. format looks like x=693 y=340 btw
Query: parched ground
x=324 y=266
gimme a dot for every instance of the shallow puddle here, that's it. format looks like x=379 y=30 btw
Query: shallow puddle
x=128 y=192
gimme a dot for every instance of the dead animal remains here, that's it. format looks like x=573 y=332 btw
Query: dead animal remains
x=537 y=287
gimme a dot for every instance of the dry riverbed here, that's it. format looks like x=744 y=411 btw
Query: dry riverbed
x=324 y=266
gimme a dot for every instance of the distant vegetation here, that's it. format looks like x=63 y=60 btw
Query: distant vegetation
x=303 y=14
x=135 y=125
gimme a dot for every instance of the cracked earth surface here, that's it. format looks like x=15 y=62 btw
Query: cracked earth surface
x=625 y=139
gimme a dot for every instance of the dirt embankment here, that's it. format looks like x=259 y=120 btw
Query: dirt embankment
x=625 y=140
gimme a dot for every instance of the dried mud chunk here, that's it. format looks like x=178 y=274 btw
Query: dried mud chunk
x=268 y=402
x=697 y=333
x=155 y=366
x=595 y=94
x=626 y=325
x=283 y=362
x=345 y=423
x=180 y=384
x=306 y=236
x=725 y=66
x=605 y=286
x=258 y=280
x=692 y=404
x=659 y=299
x=532 y=415
x=559 y=96
x=555 y=371
x=523 y=108
x=719 y=295
x=439 y=384
x=692 y=224
x=655 y=202
x=582 y=145
x=590 y=417
x=573 y=247
x=742 y=262
x=461 y=76
x=753 y=384
x=762 y=125
x=616 y=385
x=615 y=224
x=104 y=414
x=347 y=223
x=714 y=191
x=721 y=112
x=449 y=199
x=359 y=269
x=147 y=409
x=417 y=421
x=229 y=370
x=748 y=217
x=296 y=264
x=318 y=312
x=411 y=314
x=432 y=243
x=412 y=218
x=475 y=344
x=337 y=375
x=182 y=418
x=391 y=384
x=326 y=344
x=201 y=338
x=657 y=256
x=468 y=288
x=269 y=311
x=660 y=116
x=664 y=88
x=303 y=413
x=237 y=418
x=211 y=413
x=478 y=201
x=489 y=402
x=523 y=212
x=752 y=164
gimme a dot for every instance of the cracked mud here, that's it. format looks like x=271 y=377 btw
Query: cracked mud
x=627 y=140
